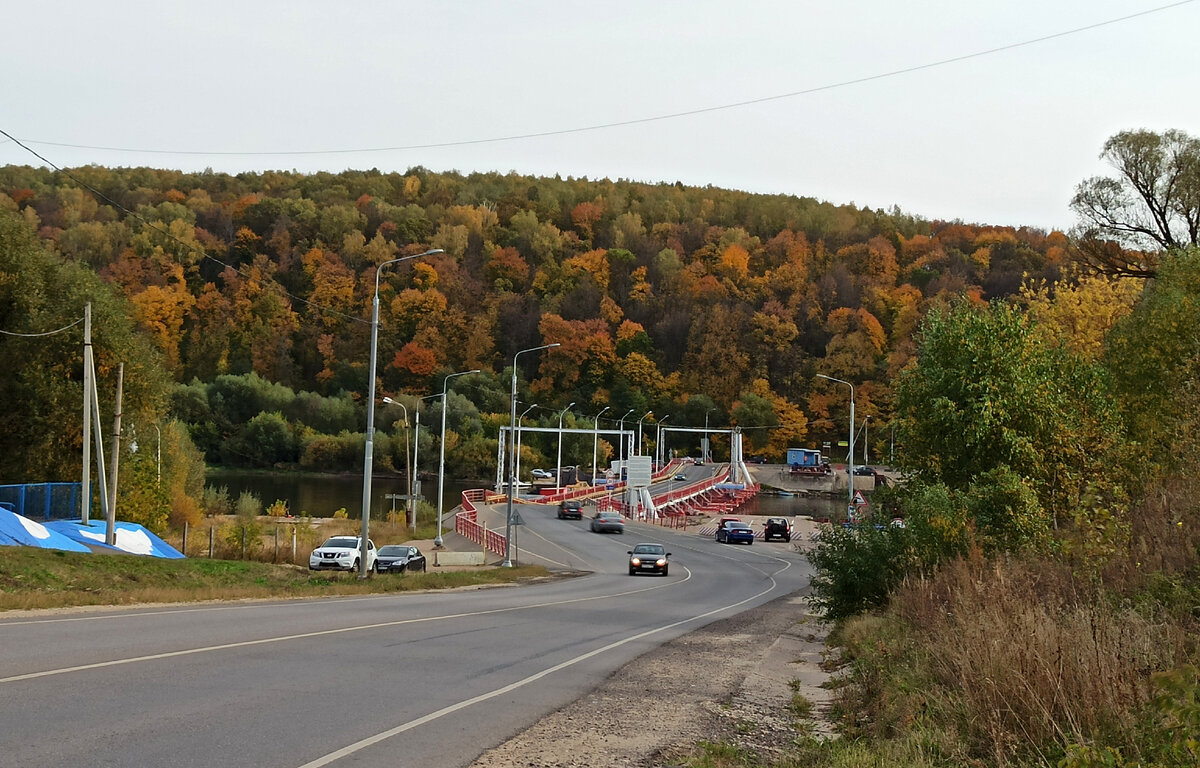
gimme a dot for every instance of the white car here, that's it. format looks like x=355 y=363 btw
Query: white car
x=341 y=553
x=542 y=474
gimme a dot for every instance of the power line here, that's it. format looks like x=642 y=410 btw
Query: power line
x=47 y=333
x=651 y=119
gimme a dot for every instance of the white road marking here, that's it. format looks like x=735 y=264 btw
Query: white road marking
x=362 y=744
x=323 y=633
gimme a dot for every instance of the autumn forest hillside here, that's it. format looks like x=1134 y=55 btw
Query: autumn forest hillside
x=688 y=301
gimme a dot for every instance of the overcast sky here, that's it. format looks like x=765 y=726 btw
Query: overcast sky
x=996 y=138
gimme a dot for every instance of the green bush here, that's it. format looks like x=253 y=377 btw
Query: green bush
x=858 y=566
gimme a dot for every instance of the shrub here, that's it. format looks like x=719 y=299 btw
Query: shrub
x=858 y=566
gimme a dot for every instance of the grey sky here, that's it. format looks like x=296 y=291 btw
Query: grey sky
x=999 y=139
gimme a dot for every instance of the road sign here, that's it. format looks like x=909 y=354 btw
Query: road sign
x=859 y=500
x=517 y=519
x=404 y=496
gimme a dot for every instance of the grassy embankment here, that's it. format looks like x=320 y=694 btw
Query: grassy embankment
x=37 y=578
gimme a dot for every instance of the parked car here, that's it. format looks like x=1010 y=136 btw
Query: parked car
x=777 y=527
x=735 y=532
x=398 y=558
x=722 y=522
x=542 y=474
x=571 y=508
x=608 y=522
x=864 y=471
x=341 y=553
x=648 y=558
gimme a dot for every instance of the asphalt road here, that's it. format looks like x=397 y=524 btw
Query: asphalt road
x=418 y=679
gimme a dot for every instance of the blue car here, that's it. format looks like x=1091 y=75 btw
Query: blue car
x=735 y=532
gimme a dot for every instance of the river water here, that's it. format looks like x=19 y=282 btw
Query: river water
x=321 y=495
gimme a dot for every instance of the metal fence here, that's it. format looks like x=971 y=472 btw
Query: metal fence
x=43 y=501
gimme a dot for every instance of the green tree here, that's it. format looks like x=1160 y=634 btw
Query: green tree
x=41 y=431
x=987 y=393
x=1154 y=356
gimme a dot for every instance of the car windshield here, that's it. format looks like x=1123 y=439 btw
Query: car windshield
x=342 y=541
x=393 y=551
x=647 y=549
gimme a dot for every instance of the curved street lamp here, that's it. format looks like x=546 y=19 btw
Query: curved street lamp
x=519 y=420
x=639 y=445
x=621 y=453
x=596 y=439
x=408 y=503
x=369 y=450
x=705 y=454
x=437 y=542
x=658 y=452
x=558 y=469
x=850 y=472
x=512 y=456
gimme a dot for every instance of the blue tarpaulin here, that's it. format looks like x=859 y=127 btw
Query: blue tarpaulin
x=130 y=537
x=21 y=531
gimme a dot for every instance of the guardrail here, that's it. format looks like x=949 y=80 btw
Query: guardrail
x=466 y=524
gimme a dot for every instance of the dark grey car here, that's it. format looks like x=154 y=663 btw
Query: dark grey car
x=398 y=558
x=608 y=522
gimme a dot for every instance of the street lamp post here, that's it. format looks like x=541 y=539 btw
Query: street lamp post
x=704 y=454
x=407 y=455
x=512 y=457
x=866 y=441
x=558 y=468
x=658 y=440
x=158 y=457
x=850 y=472
x=519 y=420
x=437 y=542
x=639 y=445
x=369 y=450
x=596 y=439
x=621 y=453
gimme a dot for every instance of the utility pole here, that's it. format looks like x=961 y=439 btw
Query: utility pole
x=110 y=537
x=85 y=490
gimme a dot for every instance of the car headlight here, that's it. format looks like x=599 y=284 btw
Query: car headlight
x=660 y=561
x=635 y=561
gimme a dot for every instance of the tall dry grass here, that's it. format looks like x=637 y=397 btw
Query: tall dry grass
x=1028 y=656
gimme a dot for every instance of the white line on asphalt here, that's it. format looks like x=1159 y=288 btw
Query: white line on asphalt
x=323 y=633
x=358 y=746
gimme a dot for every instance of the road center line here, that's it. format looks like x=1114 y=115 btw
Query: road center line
x=358 y=746
x=322 y=633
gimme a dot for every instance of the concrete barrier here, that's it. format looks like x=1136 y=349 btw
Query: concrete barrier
x=446 y=557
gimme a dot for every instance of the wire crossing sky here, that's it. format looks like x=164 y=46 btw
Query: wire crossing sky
x=989 y=112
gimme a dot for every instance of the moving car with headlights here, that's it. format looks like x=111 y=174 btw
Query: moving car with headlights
x=571 y=508
x=777 y=527
x=608 y=522
x=735 y=532
x=398 y=558
x=341 y=553
x=648 y=558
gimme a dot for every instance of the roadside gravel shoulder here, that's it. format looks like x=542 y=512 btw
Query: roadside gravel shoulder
x=731 y=680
